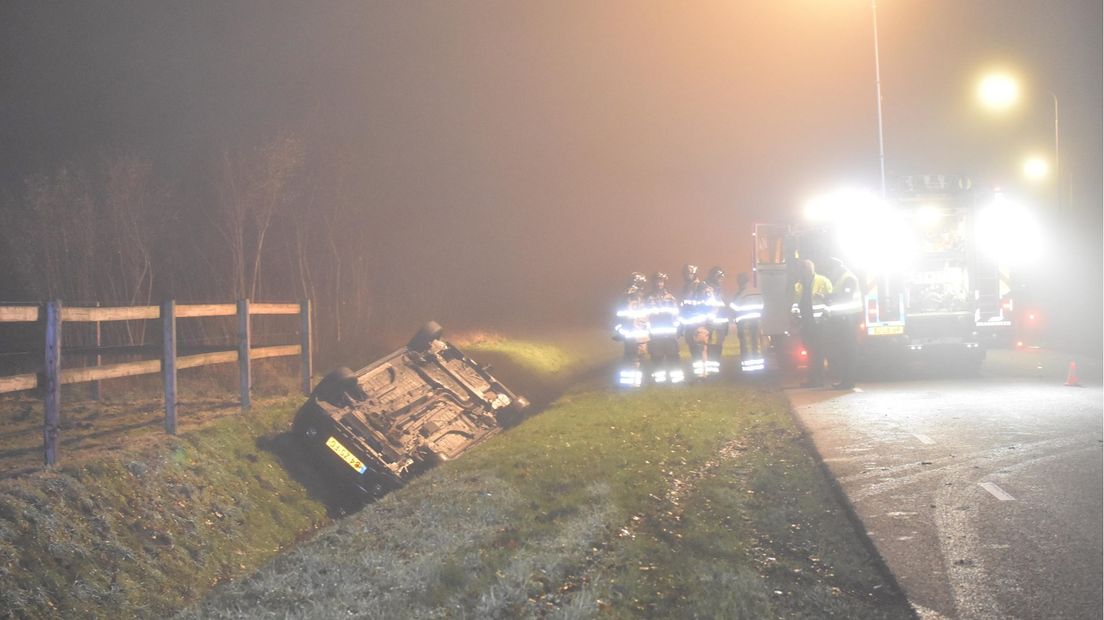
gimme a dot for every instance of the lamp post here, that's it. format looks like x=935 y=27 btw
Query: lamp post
x=878 y=93
x=1057 y=165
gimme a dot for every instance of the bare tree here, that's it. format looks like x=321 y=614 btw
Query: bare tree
x=251 y=190
x=132 y=205
x=52 y=237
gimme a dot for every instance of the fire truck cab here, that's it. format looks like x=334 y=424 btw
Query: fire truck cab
x=932 y=261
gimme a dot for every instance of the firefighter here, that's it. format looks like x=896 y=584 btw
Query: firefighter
x=663 y=348
x=844 y=316
x=747 y=309
x=692 y=316
x=632 y=329
x=810 y=299
x=712 y=299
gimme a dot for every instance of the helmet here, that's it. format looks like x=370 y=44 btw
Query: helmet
x=637 y=280
x=716 y=274
x=689 y=271
x=660 y=277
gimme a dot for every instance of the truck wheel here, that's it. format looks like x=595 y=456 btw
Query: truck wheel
x=427 y=334
x=334 y=384
x=973 y=365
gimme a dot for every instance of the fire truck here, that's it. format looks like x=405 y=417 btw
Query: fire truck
x=933 y=259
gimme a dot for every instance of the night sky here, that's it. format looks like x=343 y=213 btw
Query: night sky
x=538 y=152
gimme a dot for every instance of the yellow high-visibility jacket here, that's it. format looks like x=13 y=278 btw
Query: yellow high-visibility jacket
x=822 y=288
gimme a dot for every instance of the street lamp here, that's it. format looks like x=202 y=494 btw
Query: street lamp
x=1036 y=168
x=999 y=92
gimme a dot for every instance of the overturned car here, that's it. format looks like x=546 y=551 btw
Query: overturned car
x=426 y=402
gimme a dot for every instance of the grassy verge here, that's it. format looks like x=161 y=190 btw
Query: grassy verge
x=700 y=501
x=135 y=523
x=694 y=502
x=541 y=368
x=130 y=414
x=143 y=532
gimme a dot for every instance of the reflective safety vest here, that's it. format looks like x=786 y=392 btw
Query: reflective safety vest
x=632 y=323
x=748 y=305
x=821 y=290
x=712 y=299
x=663 y=315
x=692 y=310
x=846 y=298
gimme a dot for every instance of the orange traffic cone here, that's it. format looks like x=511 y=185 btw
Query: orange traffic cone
x=1071 y=376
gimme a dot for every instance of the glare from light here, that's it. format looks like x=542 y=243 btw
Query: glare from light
x=1036 y=168
x=873 y=236
x=1008 y=233
x=838 y=205
x=877 y=240
x=998 y=91
x=928 y=216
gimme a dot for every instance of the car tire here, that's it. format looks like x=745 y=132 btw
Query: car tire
x=302 y=426
x=427 y=334
x=334 y=384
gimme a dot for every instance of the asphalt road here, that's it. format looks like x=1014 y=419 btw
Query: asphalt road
x=983 y=495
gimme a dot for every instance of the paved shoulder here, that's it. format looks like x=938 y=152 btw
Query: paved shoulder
x=983 y=496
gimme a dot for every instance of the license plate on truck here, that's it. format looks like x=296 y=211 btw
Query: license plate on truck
x=345 y=455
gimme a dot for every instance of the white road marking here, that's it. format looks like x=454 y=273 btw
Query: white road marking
x=924 y=438
x=857 y=389
x=911 y=473
x=996 y=491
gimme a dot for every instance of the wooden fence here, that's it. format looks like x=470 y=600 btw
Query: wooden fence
x=52 y=314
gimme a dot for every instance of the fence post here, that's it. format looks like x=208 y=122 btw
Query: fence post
x=306 y=362
x=52 y=399
x=168 y=362
x=97 y=395
x=245 y=375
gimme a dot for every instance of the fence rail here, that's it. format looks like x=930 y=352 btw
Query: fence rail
x=51 y=315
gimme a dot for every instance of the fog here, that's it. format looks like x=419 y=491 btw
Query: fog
x=510 y=163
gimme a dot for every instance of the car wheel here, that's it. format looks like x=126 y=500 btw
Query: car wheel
x=427 y=334
x=334 y=384
x=302 y=426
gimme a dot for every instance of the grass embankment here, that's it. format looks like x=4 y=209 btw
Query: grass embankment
x=131 y=413
x=144 y=532
x=135 y=523
x=541 y=369
x=701 y=501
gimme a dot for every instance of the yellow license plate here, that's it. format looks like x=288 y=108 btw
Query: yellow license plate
x=886 y=330
x=345 y=455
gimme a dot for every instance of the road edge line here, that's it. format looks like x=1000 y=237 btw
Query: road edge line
x=849 y=508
